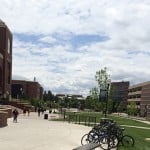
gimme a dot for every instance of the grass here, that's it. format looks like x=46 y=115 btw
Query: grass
x=139 y=136
x=137 y=133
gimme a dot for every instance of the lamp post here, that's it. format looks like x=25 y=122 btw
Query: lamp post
x=21 y=94
x=104 y=90
x=107 y=92
x=79 y=106
x=54 y=107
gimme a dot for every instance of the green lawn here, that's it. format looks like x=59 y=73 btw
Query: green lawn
x=138 y=134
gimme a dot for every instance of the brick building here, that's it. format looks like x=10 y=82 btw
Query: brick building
x=5 y=60
x=26 y=89
x=140 y=94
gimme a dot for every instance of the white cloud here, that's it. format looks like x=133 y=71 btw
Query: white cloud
x=58 y=64
x=48 y=39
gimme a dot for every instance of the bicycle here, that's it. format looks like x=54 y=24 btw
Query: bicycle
x=96 y=132
x=114 y=136
x=108 y=134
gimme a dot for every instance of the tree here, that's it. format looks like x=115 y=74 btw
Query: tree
x=48 y=96
x=115 y=101
x=120 y=107
x=94 y=93
x=132 y=108
x=88 y=102
x=110 y=105
x=102 y=78
x=94 y=100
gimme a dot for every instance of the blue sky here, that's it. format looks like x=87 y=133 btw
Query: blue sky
x=64 y=42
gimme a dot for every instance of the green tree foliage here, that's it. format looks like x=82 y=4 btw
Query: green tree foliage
x=121 y=107
x=115 y=102
x=93 y=104
x=48 y=96
x=36 y=102
x=89 y=102
x=110 y=105
x=102 y=78
x=94 y=93
x=92 y=101
x=132 y=108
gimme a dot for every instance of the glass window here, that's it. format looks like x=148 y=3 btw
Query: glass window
x=8 y=45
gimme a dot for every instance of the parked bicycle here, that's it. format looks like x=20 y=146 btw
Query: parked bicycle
x=108 y=134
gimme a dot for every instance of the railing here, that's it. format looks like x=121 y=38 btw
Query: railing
x=82 y=119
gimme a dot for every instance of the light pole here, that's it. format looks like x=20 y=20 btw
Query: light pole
x=107 y=94
x=54 y=107
x=104 y=90
x=21 y=93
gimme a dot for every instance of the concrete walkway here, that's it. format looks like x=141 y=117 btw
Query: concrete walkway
x=36 y=133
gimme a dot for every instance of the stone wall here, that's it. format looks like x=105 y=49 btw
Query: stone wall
x=8 y=110
x=5 y=112
x=3 y=118
x=22 y=105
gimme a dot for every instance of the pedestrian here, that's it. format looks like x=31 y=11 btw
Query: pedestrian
x=42 y=110
x=24 y=111
x=28 y=111
x=15 y=115
x=39 y=111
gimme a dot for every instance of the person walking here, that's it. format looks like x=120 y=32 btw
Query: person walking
x=15 y=115
x=28 y=110
x=39 y=111
x=24 y=111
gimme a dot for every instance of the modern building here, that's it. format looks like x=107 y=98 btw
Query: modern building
x=61 y=96
x=119 y=95
x=26 y=89
x=140 y=94
x=5 y=60
x=78 y=97
x=70 y=96
x=77 y=101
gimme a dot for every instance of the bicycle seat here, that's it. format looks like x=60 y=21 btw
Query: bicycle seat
x=122 y=129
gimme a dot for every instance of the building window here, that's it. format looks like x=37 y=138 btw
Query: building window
x=0 y=81
x=9 y=73
x=8 y=46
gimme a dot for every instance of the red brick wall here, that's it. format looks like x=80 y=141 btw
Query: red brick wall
x=145 y=97
x=8 y=110
x=3 y=119
x=31 y=89
x=6 y=62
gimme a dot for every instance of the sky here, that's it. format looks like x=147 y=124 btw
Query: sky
x=64 y=42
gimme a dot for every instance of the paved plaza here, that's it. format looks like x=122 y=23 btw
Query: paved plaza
x=36 y=133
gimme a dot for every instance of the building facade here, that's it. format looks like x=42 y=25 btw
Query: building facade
x=5 y=60
x=26 y=89
x=140 y=94
x=119 y=95
x=70 y=96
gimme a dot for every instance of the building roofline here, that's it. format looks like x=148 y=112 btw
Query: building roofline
x=26 y=81
x=139 y=84
x=2 y=24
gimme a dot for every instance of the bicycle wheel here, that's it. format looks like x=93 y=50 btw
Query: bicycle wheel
x=127 y=140
x=93 y=137
x=84 y=139
x=108 y=142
